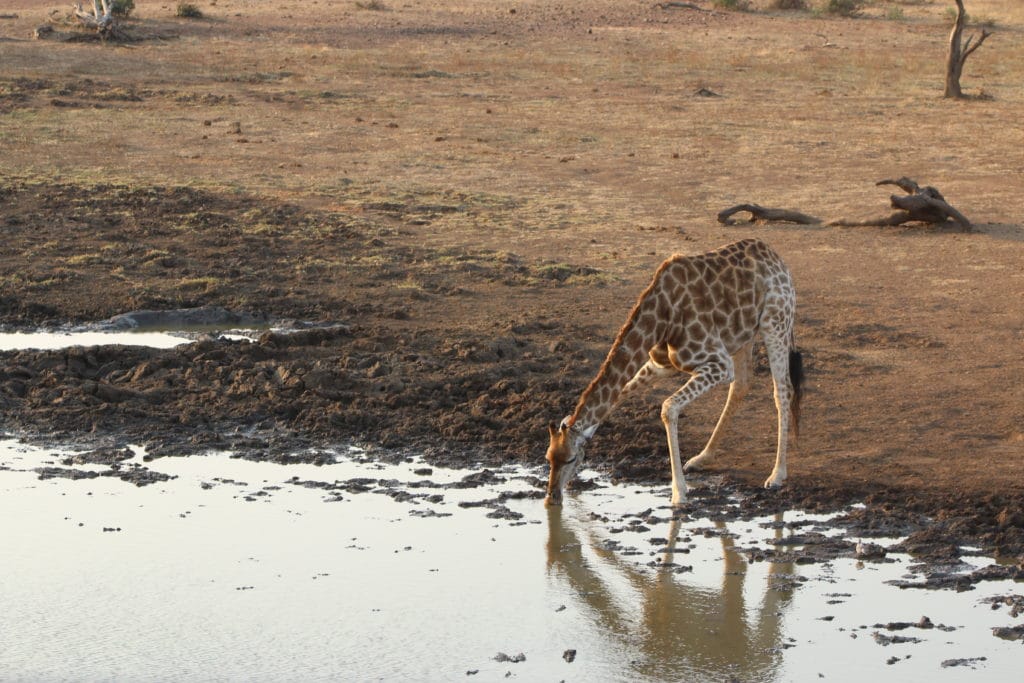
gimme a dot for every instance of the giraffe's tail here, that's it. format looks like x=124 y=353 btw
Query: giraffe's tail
x=796 y=378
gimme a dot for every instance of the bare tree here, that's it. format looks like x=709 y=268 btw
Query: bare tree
x=959 y=51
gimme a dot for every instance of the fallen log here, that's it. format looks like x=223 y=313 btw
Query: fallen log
x=919 y=205
x=762 y=214
x=679 y=5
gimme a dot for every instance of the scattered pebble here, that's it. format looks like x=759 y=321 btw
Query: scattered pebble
x=514 y=659
x=971 y=661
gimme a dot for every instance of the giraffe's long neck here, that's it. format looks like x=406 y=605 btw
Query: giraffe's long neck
x=627 y=355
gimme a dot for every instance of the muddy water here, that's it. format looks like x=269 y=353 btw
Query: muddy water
x=357 y=570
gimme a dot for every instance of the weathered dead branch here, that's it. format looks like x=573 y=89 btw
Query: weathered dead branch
x=102 y=21
x=762 y=214
x=679 y=5
x=959 y=51
x=919 y=205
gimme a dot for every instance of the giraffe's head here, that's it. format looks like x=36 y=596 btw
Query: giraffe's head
x=565 y=455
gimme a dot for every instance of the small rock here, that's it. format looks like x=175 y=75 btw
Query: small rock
x=962 y=662
x=514 y=659
x=1009 y=632
x=869 y=551
x=569 y=656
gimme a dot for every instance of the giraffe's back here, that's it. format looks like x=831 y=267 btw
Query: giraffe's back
x=720 y=297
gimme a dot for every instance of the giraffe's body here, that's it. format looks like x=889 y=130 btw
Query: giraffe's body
x=700 y=315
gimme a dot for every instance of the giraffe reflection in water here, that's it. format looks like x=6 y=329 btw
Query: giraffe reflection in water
x=673 y=628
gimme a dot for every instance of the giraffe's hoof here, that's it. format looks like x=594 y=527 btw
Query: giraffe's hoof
x=695 y=463
x=772 y=483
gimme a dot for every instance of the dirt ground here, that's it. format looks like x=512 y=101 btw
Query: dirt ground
x=456 y=204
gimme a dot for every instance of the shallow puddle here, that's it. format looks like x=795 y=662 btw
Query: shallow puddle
x=357 y=570
x=48 y=340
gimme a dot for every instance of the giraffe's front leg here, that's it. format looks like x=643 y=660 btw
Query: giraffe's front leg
x=705 y=377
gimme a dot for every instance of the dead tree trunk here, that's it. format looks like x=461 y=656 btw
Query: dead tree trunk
x=959 y=51
x=919 y=205
x=101 y=18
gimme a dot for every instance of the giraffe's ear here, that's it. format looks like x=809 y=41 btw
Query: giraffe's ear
x=551 y=430
x=565 y=424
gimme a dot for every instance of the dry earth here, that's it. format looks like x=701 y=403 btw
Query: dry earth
x=473 y=194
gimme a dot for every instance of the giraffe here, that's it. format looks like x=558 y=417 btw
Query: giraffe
x=700 y=316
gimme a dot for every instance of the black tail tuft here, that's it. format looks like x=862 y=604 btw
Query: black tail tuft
x=796 y=378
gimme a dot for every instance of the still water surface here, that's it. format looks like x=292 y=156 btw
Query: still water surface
x=49 y=340
x=243 y=571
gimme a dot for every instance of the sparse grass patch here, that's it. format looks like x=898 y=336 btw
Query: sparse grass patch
x=413 y=289
x=566 y=273
x=732 y=5
x=789 y=4
x=204 y=285
x=970 y=20
x=122 y=8
x=187 y=10
x=982 y=21
x=83 y=259
x=374 y=5
x=842 y=8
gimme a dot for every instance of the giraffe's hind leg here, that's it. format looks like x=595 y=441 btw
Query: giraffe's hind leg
x=778 y=349
x=743 y=361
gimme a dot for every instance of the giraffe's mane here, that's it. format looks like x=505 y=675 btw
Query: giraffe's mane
x=623 y=331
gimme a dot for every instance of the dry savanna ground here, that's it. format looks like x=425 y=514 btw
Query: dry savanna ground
x=442 y=172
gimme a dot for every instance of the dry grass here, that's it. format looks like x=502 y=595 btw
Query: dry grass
x=581 y=121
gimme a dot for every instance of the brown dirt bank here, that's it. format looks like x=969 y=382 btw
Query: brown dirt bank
x=466 y=354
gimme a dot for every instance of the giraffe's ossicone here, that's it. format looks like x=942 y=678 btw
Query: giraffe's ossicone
x=699 y=316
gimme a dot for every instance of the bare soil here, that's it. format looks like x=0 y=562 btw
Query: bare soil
x=453 y=205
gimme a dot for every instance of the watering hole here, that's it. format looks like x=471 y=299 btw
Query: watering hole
x=228 y=569
x=338 y=565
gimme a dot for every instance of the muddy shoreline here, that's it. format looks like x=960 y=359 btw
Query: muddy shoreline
x=465 y=366
x=292 y=396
